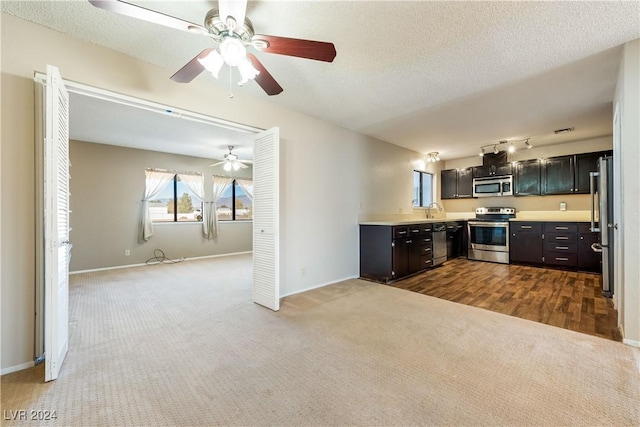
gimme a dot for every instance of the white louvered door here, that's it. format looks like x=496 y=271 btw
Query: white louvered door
x=56 y=223
x=266 y=249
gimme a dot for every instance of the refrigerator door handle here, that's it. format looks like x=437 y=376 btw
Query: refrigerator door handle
x=592 y=192
x=596 y=247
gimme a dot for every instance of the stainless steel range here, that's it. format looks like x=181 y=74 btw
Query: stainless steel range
x=489 y=234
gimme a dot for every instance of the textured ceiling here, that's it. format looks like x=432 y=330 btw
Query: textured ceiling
x=430 y=76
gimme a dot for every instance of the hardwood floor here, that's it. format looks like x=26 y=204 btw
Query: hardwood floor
x=567 y=299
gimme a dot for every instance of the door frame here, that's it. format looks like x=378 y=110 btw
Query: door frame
x=106 y=95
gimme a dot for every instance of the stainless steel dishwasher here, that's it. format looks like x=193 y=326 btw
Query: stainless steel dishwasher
x=439 y=243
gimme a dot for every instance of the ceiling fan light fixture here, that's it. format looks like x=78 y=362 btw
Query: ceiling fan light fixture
x=212 y=62
x=232 y=51
x=247 y=71
x=227 y=166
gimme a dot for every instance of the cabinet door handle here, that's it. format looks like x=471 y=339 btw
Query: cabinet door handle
x=526 y=227
x=562 y=238
x=562 y=259
x=562 y=228
x=562 y=248
x=409 y=241
x=402 y=232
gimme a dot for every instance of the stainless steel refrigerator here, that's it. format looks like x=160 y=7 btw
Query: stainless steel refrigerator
x=602 y=219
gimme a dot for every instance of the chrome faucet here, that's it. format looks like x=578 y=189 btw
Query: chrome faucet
x=429 y=209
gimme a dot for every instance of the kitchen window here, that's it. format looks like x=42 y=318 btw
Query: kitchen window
x=422 y=189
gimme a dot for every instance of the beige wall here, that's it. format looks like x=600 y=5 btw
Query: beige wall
x=107 y=185
x=329 y=175
x=628 y=262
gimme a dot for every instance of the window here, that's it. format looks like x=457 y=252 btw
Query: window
x=422 y=189
x=176 y=203
x=235 y=205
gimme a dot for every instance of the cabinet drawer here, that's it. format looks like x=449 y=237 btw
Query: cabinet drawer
x=558 y=237
x=565 y=227
x=426 y=240
x=425 y=250
x=400 y=232
x=585 y=227
x=414 y=230
x=426 y=228
x=559 y=247
x=568 y=260
x=534 y=227
x=426 y=261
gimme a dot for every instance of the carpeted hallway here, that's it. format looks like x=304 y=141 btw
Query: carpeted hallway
x=183 y=344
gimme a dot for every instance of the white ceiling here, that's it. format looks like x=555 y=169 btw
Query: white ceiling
x=426 y=75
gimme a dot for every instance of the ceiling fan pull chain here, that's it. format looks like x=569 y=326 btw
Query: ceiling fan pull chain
x=230 y=82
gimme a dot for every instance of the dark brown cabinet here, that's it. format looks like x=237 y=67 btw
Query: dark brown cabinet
x=561 y=244
x=588 y=259
x=557 y=175
x=527 y=178
x=525 y=242
x=455 y=239
x=570 y=174
x=492 y=170
x=456 y=183
x=389 y=253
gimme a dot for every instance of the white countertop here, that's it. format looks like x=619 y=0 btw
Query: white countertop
x=412 y=221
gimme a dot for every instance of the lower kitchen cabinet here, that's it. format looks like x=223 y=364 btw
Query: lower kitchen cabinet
x=588 y=260
x=559 y=244
x=455 y=239
x=389 y=253
x=525 y=242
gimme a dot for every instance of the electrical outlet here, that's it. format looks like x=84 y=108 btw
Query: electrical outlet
x=303 y=271
x=563 y=206
x=127 y=252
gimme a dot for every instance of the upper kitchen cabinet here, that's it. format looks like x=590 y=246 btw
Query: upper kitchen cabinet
x=527 y=177
x=584 y=164
x=557 y=173
x=492 y=170
x=570 y=174
x=456 y=183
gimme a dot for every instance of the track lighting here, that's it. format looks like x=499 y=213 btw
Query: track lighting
x=511 y=148
x=433 y=157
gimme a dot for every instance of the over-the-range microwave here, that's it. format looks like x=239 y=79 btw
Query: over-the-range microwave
x=493 y=186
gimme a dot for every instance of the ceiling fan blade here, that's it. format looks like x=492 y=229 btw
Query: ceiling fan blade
x=216 y=164
x=191 y=69
x=246 y=161
x=309 y=49
x=235 y=8
x=242 y=165
x=138 y=12
x=264 y=78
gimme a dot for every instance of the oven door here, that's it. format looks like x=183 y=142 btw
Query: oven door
x=489 y=236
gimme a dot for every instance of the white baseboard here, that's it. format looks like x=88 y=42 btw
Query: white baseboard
x=632 y=343
x=318 y=286
x=17 y=368
x=117 y=267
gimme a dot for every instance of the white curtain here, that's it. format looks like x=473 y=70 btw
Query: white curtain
x=220 y=185
x=195 y=183
x=247 y=187
x=155 y=181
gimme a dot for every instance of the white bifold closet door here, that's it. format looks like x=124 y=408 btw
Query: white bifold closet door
x=57 y=249
x=266 y=249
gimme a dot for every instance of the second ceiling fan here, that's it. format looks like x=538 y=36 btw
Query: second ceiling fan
x=233 y=32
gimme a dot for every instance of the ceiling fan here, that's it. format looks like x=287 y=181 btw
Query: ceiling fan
x=231 y=161
x=233 y=31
